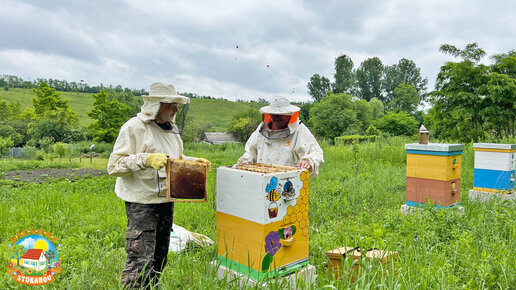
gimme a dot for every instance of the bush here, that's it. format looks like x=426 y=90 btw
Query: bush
x=39 y=155
x=60 y=149
x=349 y=139
x=398 y=124
x=5 y=145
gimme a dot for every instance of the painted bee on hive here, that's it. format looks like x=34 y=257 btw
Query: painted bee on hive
x=273 y=195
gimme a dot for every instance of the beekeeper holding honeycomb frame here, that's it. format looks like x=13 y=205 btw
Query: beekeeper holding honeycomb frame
x=142 y=148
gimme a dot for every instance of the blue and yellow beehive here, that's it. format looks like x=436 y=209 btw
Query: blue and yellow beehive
x=433 y=173
x=494 y=167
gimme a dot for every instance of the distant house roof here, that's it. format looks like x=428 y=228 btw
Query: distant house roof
x=33 y=254
x=218 y=137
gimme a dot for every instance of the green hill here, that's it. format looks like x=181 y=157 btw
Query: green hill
x=211 y=111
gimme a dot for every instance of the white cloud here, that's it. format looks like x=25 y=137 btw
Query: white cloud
x=28 y=243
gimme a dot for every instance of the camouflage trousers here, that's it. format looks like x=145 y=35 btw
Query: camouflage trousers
x=146 y=243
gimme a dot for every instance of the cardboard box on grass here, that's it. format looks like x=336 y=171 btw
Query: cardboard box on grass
x=337 y=260
x=186 y=181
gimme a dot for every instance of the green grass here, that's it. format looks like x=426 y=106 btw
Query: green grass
x=355 y=201
x=211 y=111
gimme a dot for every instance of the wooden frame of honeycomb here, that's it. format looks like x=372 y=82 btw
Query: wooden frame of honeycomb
x=186 y=181
x=265 y=168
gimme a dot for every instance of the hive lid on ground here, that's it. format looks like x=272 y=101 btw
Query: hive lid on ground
x=494 y=146
x=438 y=147
x=186 y=181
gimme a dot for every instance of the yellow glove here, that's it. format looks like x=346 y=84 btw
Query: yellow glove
x=156 y=160
x=204 y=161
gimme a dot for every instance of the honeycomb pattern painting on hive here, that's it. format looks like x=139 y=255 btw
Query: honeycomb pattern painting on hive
x=299 y=212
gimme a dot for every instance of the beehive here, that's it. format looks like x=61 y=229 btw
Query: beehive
x=494 y=167
x=337 y=256
x=433 y=173
x=262 y=219
x=186 y=181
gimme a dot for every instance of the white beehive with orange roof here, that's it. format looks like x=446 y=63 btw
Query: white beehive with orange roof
x=262 y=219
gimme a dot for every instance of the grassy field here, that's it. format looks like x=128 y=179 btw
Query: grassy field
x=354 y=202
x=202 y=110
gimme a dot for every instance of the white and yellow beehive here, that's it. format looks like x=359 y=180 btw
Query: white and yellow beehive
x=262 y=219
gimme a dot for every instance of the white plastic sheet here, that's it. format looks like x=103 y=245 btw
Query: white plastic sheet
x=181 y=237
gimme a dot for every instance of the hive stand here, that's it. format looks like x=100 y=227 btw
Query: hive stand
x=305 y=276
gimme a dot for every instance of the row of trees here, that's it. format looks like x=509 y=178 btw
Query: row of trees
x=471 y=101
x=52 y=120
x=371 y=98
x=10 y=81
x=399 y=86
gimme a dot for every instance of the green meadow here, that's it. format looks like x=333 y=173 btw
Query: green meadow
x=355 y=201
x=216 y=112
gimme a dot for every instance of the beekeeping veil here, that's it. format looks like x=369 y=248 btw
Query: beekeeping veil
x=164 y=93
x=279 y=106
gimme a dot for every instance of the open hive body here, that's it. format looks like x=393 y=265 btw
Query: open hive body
x=433 y=173
x=262 y=219
x=494 y=167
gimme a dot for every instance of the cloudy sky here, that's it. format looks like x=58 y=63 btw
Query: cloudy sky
x=238 y=49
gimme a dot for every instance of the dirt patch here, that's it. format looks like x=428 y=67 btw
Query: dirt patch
x=42 y=175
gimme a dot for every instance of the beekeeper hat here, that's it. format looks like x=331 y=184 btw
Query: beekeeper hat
x=279 y=106
x=165 y=93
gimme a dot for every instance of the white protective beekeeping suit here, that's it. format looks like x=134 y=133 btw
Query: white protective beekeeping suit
x=140 y=136
x=283 y=147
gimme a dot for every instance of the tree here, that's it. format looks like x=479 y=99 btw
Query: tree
x=17 y=251
x=109 y=116
x=364 y=115
x=49 y=254
x=318 y=87
x=333 y=115
x=377 y=108
x=458 y=100
x=398 y=124
x=405 y=72
x=9 y=131
x=500 y=104
x=243 y=124
x=54 y=130
x=406 y=99
x=5 y=145
x=500 y=93
x=369 y=79
x=60 y=149
x=48 y=104
x=9 y=111
x=126 y=97
x=344 y=76
x=304 y=113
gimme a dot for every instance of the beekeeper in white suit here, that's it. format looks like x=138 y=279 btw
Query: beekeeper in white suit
x=138 y=159
x=282 y=139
